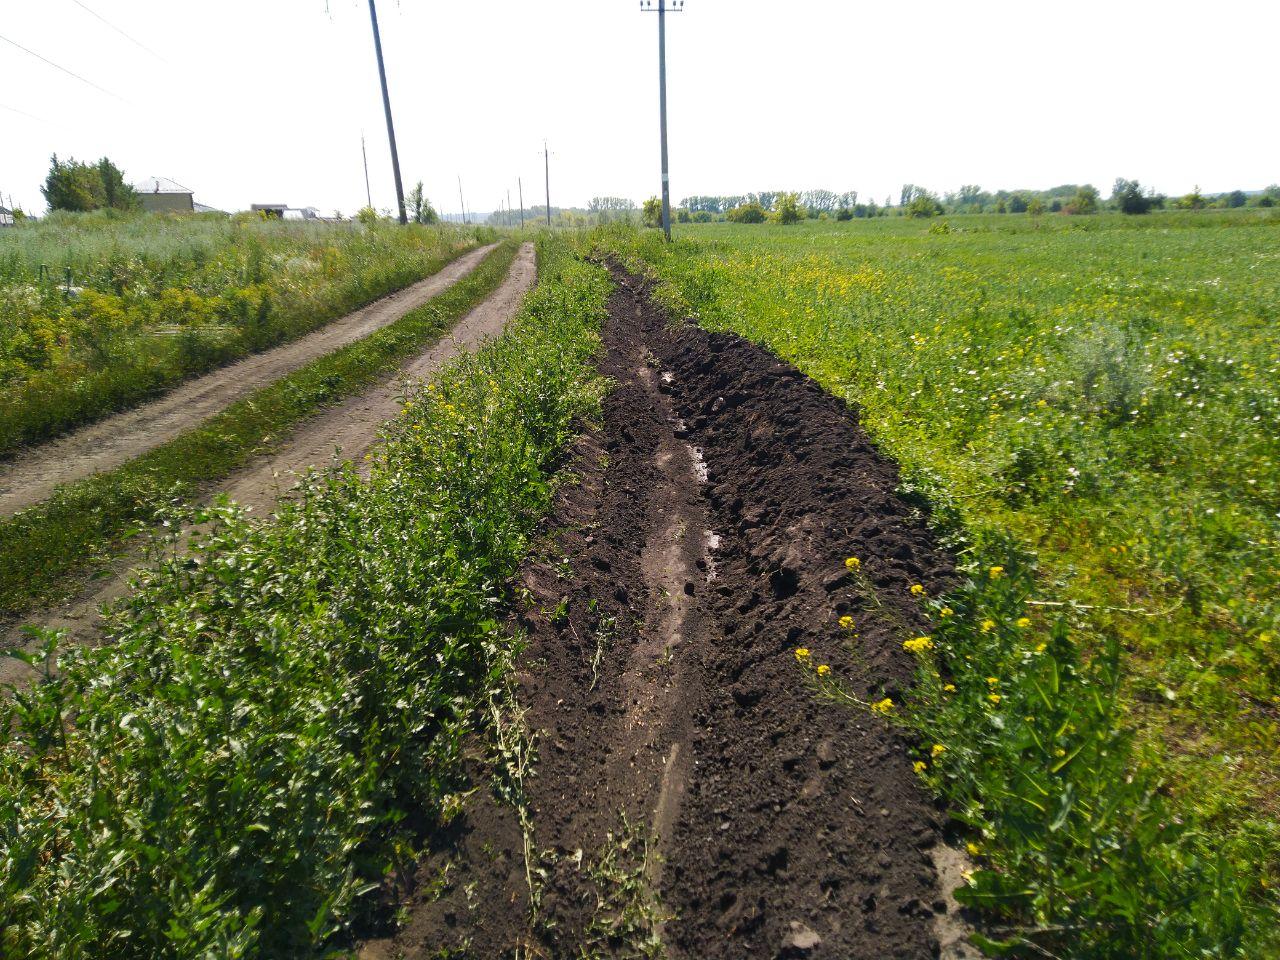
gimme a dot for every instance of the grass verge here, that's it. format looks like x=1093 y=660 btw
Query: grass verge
x=280 y=701
x=84 y=523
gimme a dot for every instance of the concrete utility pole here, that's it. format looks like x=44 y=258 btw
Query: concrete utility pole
x=368 y=192
x=520 y=184
x=546 y=156
x=462 y=200
x=677 y=6
x=386 y=105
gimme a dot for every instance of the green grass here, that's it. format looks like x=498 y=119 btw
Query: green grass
x=162 y=298
x=42 y=548
x=236 y=771
x=1096 y=400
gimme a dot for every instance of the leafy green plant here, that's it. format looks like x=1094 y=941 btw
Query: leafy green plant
x=236 y=770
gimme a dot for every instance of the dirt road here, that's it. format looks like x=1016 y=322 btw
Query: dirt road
x=350 y=427
x=693 y=796
x=31 y=475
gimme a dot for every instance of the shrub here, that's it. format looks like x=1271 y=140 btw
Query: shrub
x=1129 y=198
x=750 y=212
x=924 y=204
x=651 y=212
x=1084 y=202
x=787 y=210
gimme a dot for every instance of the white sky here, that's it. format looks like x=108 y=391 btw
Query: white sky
x=265 y=100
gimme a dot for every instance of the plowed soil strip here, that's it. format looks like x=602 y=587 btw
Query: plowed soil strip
x=32 y=474
x=690 y=787
x=345 y=431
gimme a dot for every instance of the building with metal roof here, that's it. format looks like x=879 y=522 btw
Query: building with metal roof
x=159 y=194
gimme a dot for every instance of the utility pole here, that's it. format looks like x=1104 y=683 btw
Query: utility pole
x=462 y=200
x=546 y=156
x=386 y=105
x=520 y=184
x=508 y=206
x=646 y=6
x=368 y=192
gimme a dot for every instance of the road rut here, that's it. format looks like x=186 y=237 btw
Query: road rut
x=345 y=431
x=32 y=474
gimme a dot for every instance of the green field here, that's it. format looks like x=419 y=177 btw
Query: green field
x=98 y=311
x=1092 y=404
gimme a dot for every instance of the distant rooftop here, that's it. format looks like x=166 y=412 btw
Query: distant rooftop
x=160 y=185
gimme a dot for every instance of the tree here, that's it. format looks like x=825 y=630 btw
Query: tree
x=651 y=214
x=368 y=216
x=1084 y=202
x=908 y=194
x=1192 y=201
x=1018 y=203
x=1236 y=198
x=750 y=212
x=923 y=204
x=82 y=186
x=420 y=209
x=788 y=209
x=1035 y=206
x=818 y=202
x=1129 y=198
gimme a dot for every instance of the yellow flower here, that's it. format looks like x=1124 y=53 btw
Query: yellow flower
x=949 y=688
x=918 y=645
x=987 y=625
x=884 y=706
x=1040 y=647
x=853 y=563
x=973 y=848
x=994 y=697
x=938 y=750
x=996 y=572
x=917 y=590
x=946 y=612
x=823 y=670
x=992 y=681
x=1022 y=623
x=920 y=766
x=802 y=654
x=846 y=623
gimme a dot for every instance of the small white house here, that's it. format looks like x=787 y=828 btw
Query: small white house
x=6 y=217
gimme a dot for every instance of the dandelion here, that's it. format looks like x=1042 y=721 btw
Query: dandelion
x=823 y=670
x=995 y=698
x=884 y=706
x=846 y=623
x=920 y=766
x=973 y=848
x=918 y=645
x=1022 y=623
x=996 y=572
x=853 y=563
x=946 y=612
x=949 y=688
x=937 y=751
x=987 y=625
x=1040 y=647
x=917 y=590
x=992 y=681
x=802 y=654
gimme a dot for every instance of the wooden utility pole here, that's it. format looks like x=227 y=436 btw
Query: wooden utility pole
x=520 y=184
x=386 y=105
x=462 y=200
x=368 y=192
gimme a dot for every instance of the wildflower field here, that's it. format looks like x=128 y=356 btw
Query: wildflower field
x=1090 y=410
x=98 y=311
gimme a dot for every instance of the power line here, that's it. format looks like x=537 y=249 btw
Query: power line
x=22 y=113
x=134 y=40
x=58 y=66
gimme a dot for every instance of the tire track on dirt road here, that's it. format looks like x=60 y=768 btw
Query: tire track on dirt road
x=31 y=475
x=693 y=796
x=344 y=431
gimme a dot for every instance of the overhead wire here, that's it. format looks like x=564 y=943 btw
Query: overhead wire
x=58 y=66
x=132 y=39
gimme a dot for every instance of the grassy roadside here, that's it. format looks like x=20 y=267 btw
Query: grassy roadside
x=1087 y=414
x=84 y=523
x=274 y=708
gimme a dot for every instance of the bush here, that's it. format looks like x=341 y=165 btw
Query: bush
x=1084 y=202
x=843 y=214
x=750 y=212
x=924 y=204
x=787 y=209
x=651 y=213
x=1129 y=198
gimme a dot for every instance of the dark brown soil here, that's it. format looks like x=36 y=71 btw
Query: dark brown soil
x=693 y=797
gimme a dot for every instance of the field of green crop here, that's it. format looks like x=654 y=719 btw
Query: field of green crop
x=1091 y=409
x=98 y=311
x=232 y=774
